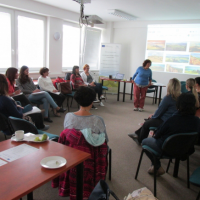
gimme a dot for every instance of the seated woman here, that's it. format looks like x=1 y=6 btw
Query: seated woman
x=83 y=119
x=165 y=110
x=11 y=75
x=183 y=121
x=89 y=81
x=26 y=85
x=190 y=86
x=8 y=106
x=46 y=84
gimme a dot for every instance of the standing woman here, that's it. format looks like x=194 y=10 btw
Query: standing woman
x=143 y=78
x=190 y=86
x=46 y=84
x=76 y=79
x=11 y=75
x=26 y=85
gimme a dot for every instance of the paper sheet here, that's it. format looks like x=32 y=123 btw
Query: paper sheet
x=17 y=152
x=34 y=110
x=18 y=94
x=2 y=162
x=41 y=92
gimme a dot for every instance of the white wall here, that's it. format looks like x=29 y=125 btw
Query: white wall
x=132 y=36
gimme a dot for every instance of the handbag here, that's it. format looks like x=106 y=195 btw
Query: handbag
x=102 y=192
x=64 y=88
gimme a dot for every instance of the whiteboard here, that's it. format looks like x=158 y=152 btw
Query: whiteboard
x=109 y=59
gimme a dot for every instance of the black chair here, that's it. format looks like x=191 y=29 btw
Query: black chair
x=152 y=89
x=27 y=127
x=5 y=126
x=175 y=147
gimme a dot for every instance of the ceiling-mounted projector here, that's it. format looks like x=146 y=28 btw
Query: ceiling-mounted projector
x=82 y=1
x=93 y=19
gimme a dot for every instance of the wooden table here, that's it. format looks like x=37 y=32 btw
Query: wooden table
x=157 y=85
x=22 y=176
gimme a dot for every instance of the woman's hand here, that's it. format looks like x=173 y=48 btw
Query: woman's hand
x=17 y=92
x=150 y=116
x=92 y=84
x=35 y=91
x=133 y=81
x=55 y=90
x=20 y=106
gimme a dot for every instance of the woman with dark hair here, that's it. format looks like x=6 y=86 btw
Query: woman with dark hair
x=143 y=78
x=83 y=119
x=46 y=84
x=8 y=106
x=76 y=79
x=165 y=110
x=182 y=121
x=11 y=75
x=26 y=85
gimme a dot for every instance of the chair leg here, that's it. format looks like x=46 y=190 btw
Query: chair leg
x=155 y=173
x=138 y=168
x=5 y=136
x=198 y=196
x=110 y=159
x=188 y=172
x=153 y=97
x=170 y=160
x=71 y=101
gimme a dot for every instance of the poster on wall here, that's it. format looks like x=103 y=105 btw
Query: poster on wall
x=174 y=48
x=110 y=64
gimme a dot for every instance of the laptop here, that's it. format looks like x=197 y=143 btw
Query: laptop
x=119 y=76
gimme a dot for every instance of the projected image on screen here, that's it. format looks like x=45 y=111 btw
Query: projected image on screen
x=174 y=48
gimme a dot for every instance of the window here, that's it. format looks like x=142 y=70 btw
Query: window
x=30 y=42
x=5 y=41
x=71 y=46
x=91 y=47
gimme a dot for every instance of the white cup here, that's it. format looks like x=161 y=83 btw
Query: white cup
x=19 y=135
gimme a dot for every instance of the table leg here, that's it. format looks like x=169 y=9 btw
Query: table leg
x=102 y=82
x=118 y=91
x=79 y=181
x=124 y=91
x=160 y=92
x=30 y=196
x=176 y=167
x=156 y=97
x=131 y=97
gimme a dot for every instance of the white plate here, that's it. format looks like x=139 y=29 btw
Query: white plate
x=29 y=137
x=53 y=162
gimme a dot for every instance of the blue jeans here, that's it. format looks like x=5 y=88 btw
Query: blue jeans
x=46 y=99
x=153 y=144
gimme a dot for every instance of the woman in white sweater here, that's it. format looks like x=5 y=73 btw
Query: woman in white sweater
x=45 y=84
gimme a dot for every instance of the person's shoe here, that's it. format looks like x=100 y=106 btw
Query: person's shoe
x=101 y=104
x=135 y=109
x=134 y=136
x=160 y=171
x=61 y=110
x=46 y=127
x=48 y=120
x=141 y=109
x=102 y=97
x=93 y=107
x=96 y=101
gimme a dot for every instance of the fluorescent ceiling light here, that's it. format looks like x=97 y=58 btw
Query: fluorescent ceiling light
x=82 y=1
x=121 y=14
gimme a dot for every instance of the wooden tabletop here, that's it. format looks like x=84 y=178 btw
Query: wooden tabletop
x=24 y=175
x=108 y=79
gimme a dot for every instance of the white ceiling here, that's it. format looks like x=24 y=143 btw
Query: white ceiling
x=143 y=9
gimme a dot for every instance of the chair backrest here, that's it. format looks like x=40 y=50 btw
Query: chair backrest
x=183 y=88
x=179 y=144
x=5 y=126
x=154 y=81
x=21 y=124
x=67 y=77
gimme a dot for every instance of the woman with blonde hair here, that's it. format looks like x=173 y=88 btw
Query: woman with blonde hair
x=190 y=86
x=165 y=110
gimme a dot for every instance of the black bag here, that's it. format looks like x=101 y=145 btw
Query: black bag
x=102 y=192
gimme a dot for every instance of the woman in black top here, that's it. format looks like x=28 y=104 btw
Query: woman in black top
x=183 y=121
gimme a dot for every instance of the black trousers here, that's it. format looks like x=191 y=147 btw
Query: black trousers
x=38 y=120
x=59 y=99
x=97 y=88
x=22 y=99
x=143 y=131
